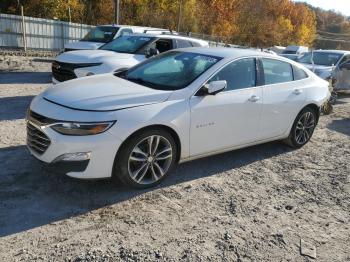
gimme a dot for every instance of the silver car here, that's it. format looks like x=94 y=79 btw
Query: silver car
x=329 y=64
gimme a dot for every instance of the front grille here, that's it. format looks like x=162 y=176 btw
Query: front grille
x=39 y=119
x=37 y=140
x=63 y=71
x=70 y=49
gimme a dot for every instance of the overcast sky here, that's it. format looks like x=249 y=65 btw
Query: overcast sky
x=342 y=6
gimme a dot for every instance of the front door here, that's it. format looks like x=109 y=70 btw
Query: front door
x=342 y=74
x=230 y=118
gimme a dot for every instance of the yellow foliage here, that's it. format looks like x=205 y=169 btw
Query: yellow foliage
x=259 y=23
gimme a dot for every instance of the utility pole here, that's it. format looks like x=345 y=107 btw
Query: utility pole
x=24 y=30
x=116 y=11
x=69 y=14
x=180 y=14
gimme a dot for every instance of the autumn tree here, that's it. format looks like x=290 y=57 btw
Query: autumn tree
x=258 y=23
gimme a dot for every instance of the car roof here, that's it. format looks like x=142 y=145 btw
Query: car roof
x=332 y=51
x=226 y=52
x=135 y=26
x=170 y=36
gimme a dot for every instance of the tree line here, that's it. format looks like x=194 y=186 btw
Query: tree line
x=258 y=23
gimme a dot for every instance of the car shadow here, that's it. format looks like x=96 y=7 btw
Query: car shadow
x=342 y=98
x=13 y=108
x=341 y=126
x=31 y=197
x=25 y=77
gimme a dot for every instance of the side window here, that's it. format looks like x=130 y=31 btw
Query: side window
x=277 y=71
x=195 y=44
x=183 y=43
x=163 y=45
x=126 y=31
x=238 y=74
x=299 y=73
x=345 y=59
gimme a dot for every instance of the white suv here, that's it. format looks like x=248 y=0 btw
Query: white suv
x=120 y=54
x=100 y=35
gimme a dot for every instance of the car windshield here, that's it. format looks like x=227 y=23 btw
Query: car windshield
x=170 y=71
x=127 y=44
x=101 y=34
x=325 y=59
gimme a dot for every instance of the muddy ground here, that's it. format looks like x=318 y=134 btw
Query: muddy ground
x=264 y=203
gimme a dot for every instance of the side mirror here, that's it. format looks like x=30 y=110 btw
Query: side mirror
x=345 y=66
x=212 y=88
x=151 y=52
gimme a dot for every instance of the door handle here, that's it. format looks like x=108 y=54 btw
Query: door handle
x=254 y=98
x=297 y=92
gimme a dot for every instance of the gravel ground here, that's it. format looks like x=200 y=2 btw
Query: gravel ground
x=264 y=203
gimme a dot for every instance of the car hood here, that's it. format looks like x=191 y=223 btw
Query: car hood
x=103 y=93
x=317 y=67
x=91 y=56
x=83 y=45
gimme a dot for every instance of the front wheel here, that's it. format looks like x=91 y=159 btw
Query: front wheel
x=146 y=158
x=303 y=128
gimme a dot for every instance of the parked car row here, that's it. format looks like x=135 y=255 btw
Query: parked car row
x=151 y=111
x=119 y=54
x=100 y=35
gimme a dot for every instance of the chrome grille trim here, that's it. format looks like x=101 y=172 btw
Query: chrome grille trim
x=37 y=140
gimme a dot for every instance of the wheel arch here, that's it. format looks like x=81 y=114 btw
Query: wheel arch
x=315 y=108
x=311 y=105
x=168 y=129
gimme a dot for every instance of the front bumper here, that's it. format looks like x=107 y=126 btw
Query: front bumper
x=65 y=167
x=102 y=147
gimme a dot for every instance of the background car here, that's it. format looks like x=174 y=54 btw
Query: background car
x=329 y=64
x=120 y=54
x=175 y=107
x=102 y=34
x=293 y=52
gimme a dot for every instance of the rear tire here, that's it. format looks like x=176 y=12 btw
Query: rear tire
x=145 y=158
x=303 y=128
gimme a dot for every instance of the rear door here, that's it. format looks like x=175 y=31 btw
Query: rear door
x=284 y=95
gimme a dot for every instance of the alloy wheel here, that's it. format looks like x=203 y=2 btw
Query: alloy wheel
x=150 y=159
x=304 y=128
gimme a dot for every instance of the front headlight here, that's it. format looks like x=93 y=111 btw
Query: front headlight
x=81 y=129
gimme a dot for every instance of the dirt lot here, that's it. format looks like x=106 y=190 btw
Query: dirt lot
x=265 y=203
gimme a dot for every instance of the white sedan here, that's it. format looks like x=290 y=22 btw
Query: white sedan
x=178 y=106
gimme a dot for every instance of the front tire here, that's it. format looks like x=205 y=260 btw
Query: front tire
x=145 y=158
x=303 y=128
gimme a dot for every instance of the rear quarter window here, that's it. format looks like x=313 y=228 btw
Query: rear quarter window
x=195 y=44
x=299 y=73
x=183 y=43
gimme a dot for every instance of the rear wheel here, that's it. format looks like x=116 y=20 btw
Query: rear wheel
x=303 y=128
x=146 y=158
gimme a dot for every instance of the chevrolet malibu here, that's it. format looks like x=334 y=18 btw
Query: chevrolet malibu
x=184 y=104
